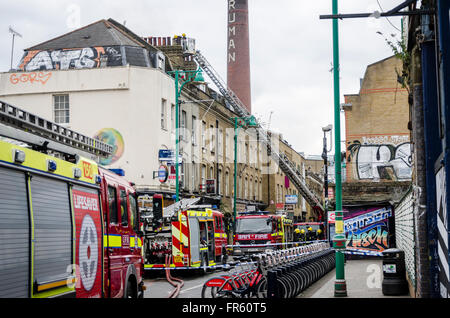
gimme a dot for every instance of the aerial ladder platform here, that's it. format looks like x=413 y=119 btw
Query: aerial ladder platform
x=47 y=136
x=288 y=168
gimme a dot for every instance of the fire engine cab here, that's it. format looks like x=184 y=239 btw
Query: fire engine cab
x=68 y=227
x=188 y=238
x=256 y=232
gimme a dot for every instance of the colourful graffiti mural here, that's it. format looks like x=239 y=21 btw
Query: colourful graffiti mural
x=88 y=57
x=113 y=138
x=380 y=157
x=367 y=228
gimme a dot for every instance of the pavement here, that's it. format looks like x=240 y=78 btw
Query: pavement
x=364 y=279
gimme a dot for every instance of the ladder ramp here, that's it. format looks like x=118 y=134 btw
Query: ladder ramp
x=21 y=125
x=284 y=163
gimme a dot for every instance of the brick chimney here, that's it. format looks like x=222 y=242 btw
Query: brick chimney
x=238 y=52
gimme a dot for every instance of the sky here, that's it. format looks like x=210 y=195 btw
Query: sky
x=291 y=49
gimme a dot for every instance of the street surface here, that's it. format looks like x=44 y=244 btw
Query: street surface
x=158 y=286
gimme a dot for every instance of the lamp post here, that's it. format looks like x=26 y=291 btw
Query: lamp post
x=339 y=241
x=194 y=76
x=239 y=122
x=325 y=175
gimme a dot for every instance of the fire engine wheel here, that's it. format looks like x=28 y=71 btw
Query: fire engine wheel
x=130 y=291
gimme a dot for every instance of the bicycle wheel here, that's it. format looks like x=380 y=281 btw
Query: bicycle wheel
x=282 y=288
x=261 y=288
x=217 y=287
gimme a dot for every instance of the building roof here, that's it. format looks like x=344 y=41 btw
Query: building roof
x=100 y=33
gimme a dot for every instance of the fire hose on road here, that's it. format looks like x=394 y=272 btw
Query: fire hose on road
x=176 y=282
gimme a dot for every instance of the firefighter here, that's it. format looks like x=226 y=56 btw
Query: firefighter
x=302 y=235
x=319 y=232
x=297 y=235
x=310 y=235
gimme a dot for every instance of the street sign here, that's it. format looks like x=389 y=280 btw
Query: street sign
x=210 y=186
x=163 y=173
x=331 y=217
x=291 y=199
x=169 y=156
x=289 y=207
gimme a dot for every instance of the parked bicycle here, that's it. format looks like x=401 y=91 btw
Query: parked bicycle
x=275 y=274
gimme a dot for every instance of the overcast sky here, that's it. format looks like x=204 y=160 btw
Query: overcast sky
x=290 y=47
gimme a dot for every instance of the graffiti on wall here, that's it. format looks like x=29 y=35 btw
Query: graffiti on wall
x=88 y=57
x=442 y=239
x=381 y=157
x=34 y=77
x=367 y=229
x=111 y=137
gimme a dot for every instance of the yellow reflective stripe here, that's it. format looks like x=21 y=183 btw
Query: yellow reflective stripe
x=55 y=284
x=203 y=248
x=112 y=240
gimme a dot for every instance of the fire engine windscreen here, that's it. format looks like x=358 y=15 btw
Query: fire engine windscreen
x=253 y=225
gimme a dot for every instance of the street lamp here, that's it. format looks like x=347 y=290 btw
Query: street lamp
x=239 y=122
x=339 y=240
x=193 y=76
x=325 y=175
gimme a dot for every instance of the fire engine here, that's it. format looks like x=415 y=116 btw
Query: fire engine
x=68 y=226
x=192 y=237
x=258 y=231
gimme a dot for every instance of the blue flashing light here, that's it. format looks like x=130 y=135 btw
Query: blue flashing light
x=254 y=212
x=51 y=165
x=119 y=172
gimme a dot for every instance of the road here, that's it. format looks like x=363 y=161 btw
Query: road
x=158 y=287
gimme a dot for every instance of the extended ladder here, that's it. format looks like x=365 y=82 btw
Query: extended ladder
x=42 y=134
x=284 y=163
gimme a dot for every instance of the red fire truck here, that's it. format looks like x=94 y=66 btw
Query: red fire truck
x=68 y=227
x=193 y=238
x=258 y=231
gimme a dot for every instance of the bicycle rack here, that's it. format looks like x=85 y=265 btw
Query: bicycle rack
x=274 y=274
x=291 y=271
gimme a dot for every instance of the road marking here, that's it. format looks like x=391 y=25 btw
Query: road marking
x=185 y=290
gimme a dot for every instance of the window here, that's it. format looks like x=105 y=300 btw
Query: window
x=112 y=204
x=203 y=179
x=220 y=142
x=246 y=188
x=123 y=207
x=133 y=213
x=61 y=109
x=172 y=118
x=203 y=134
x=183 y=126
x=212 y=142
x=219 y=183
x=194 y=130
x=227 y=180
x=163 y=114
